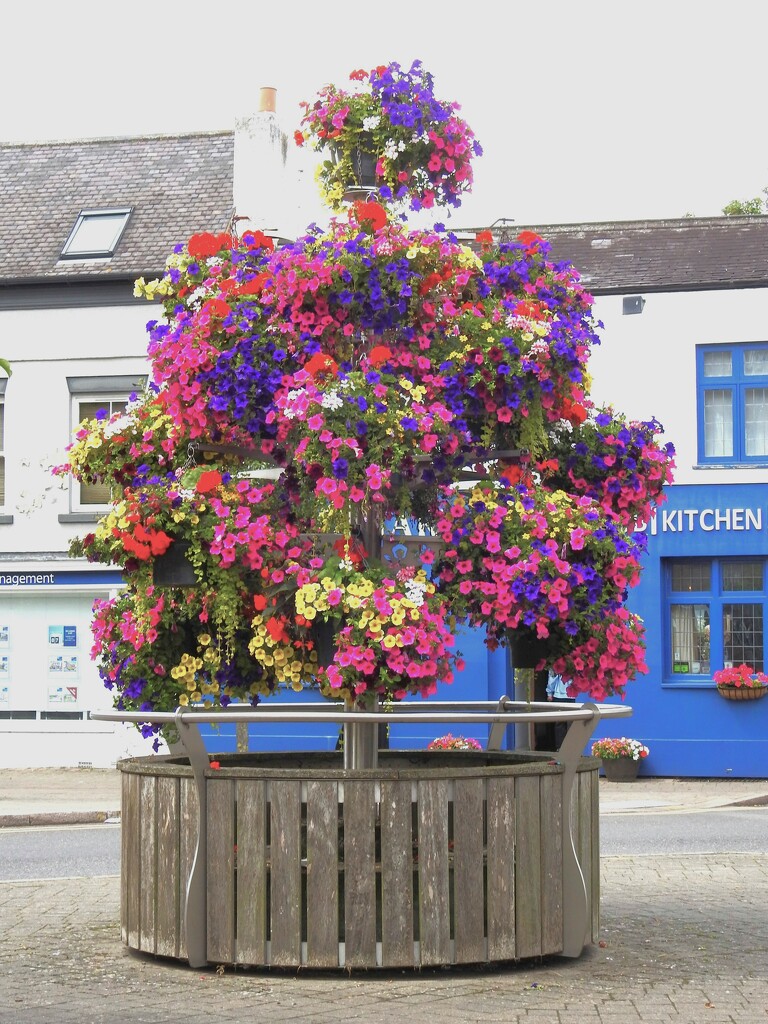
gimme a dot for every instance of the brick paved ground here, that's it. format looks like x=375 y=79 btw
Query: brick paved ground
x=685 y=942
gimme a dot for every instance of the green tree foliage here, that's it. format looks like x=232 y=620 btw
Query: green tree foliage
x=747 y=207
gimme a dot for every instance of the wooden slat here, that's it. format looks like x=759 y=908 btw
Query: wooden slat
x=359 y=874
x=130 y=851
x=468 y=884
x=528 y=868
x=285 y=875
x=148 y=868
x=434 y=898
x=396 y=875
x=168 y=904
x=322 y=874
x=501 y=816
x=551 y=854
x=221 y=870
x=251 y=896
x=594 y=810
x=187 y=845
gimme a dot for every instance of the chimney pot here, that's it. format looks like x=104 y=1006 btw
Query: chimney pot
x=267 y=99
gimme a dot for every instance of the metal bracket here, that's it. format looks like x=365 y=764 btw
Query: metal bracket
x=575 y=908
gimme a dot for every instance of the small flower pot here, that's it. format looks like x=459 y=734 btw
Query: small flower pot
x=741 y=692
x=174 y=569
x=621 y=769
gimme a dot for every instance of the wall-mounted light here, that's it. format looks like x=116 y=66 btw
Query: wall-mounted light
x=632 y=304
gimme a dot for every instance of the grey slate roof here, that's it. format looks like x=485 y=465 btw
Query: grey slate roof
x=180 y=184
x=689 y=254
x=177 y=185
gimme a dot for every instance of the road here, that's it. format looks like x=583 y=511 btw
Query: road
x=94 y=850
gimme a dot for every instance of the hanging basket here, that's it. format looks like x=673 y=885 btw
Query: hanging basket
x=621 y=769
x=174 y=569
x=741 y=692
x=526 y=649
x=364 y=161
x=324 y=637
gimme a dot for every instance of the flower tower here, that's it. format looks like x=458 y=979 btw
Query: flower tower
x=305 y=397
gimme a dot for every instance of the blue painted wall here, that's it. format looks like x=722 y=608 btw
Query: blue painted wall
x=690 y=729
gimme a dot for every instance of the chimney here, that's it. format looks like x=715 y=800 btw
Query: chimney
x=259 y=184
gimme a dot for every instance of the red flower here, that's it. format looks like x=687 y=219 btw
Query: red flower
x=216 y=307
x=379 y=354
x=352 y=550
x=358 y=76
x=208 y=481
x=259 y=602
x=485 y=238
x=529 y=238
x=206 y=244
x=370 y=213
x=258 y=240
x=321 y=365
x=298 y=138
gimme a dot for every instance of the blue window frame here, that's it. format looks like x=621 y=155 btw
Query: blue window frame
x=732 y=397
x=716 y=610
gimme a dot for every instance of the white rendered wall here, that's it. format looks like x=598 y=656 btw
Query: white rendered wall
x=646 y=364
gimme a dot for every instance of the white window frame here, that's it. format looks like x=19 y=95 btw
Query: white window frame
x=101 y=391
x=87 y=218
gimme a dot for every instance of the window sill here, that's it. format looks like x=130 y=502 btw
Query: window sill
x=689 y=684
x=81 y=517
x=729 y=465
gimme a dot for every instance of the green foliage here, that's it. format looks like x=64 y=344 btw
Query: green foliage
x=747 y=207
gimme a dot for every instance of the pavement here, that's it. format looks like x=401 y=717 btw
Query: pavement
x=69 y=796
x=683 y=939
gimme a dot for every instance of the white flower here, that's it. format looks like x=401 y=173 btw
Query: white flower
x=331 y=400
x=369 y=123
x=123 y=423
x=415 y=591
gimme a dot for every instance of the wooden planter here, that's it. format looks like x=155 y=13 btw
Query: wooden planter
x=434 y=858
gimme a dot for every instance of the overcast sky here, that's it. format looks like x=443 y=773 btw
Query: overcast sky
x=589 y=110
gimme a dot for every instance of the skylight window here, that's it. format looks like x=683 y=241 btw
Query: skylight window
x=95 y=234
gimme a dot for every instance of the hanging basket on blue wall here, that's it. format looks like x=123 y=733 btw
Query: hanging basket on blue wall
x=324 y=637
x=526 y=648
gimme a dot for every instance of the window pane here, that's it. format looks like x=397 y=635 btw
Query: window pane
x=756 y=362
x=2 y=480
x=718 y=364
x=690 y=638
x=743 y=635
x=756 y=421
x=97 y=233
x=95 y=494
x=718 y=423
x=2 y=427
x=91 y=410
x=691 y=574
x=743 y=576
